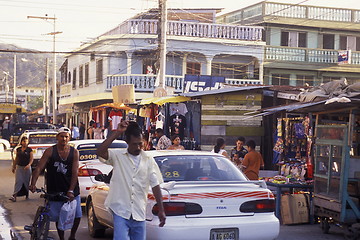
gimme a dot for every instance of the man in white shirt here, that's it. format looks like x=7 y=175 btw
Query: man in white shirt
x=133 y=172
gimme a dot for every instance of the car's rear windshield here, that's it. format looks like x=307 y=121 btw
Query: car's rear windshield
x=18 y=129
x=88 y=151
x=198 y=168
x=42 y=138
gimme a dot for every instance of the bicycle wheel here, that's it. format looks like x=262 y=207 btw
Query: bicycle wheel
x=40 y=225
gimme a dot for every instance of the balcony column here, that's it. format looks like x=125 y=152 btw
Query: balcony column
x=184 y=64
x=261 y=72
x=208 y=63
x=129 y=61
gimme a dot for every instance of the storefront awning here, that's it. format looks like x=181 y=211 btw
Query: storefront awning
x=163 y=100
x=120 y=106
x=11 y=108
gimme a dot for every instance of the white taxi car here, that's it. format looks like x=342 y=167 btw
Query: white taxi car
x=39 y=141
x=4 y=145
x=89 y=165
x=205 y=197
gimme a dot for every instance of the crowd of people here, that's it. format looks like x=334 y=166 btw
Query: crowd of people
x=61 y=162
x=248 y=160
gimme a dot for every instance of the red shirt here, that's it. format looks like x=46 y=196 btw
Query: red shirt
x=252 y=163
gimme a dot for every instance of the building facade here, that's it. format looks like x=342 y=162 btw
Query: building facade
x=128 y=54
x=305 y=45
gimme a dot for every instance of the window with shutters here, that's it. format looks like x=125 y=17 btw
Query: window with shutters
x=293 y=39
x=81 y=76
x=99 y=71
x=86 y=75
x=193 y=68
x=74 y=79
x=280 y=79
x=329 y=41
x=149 y=66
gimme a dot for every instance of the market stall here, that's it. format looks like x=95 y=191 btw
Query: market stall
x=175 y=115
x=292 y=156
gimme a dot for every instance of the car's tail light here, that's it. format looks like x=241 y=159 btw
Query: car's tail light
x=85 y=172
x=178 y=208
x=258 y=206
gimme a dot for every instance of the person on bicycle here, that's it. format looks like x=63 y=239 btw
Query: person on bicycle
x=133 y=173
x=61 y=162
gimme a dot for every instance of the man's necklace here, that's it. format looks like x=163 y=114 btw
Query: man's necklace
x=62 y=159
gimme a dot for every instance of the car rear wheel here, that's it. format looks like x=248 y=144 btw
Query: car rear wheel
x=95 y=228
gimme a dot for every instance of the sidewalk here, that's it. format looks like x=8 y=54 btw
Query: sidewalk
x=6 y=155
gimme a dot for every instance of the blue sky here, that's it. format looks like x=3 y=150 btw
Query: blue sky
x=82 y=20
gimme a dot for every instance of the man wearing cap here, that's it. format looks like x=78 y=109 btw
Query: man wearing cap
x=61 y=162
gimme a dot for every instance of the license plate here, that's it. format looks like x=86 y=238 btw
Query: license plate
x=224 y=234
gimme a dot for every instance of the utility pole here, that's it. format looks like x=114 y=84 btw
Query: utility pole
x=54 y=86
x=163 y=26
x=14 y=90
x=6 y=86
x=46 y=92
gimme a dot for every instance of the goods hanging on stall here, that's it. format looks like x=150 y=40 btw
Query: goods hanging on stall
x=106 y=117
x=292 y=150
x=293 y=158
x=171 y=114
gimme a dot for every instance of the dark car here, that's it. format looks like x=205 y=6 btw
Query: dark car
x=19 y=129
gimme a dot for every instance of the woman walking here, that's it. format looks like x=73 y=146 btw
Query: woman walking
x=22 y=169
x=220 y=147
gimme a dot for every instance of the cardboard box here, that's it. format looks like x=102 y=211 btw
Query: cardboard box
x=294 y=209
x=124 y=93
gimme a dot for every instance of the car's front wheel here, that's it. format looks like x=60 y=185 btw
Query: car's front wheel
x=94 y=227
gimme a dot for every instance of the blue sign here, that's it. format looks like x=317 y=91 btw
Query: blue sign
x=198 y=83
x=344 y=57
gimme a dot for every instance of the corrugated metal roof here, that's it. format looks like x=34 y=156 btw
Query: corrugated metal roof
x=288 y=108
x=222 y=90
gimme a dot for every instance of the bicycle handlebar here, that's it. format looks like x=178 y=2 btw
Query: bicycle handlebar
x=60 y=196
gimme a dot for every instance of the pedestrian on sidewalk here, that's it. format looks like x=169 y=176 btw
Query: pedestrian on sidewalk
x=252 y=162
x=22 y=169
x=82 y=131
x=220 y=147
x=238 y=152
x=75 y=132
x=163 y=141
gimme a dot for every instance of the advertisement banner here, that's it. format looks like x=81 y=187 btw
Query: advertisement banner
x=198 y=83
x=344 y=57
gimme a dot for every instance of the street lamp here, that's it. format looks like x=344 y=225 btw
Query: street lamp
x=54 y=33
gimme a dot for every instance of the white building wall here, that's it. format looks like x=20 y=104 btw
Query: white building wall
x=312 y=39
x=275 y=37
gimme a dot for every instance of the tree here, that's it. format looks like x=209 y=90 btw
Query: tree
x=35 y=103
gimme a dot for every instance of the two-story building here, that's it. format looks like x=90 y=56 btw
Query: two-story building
x=128 y=54
x=304 y=44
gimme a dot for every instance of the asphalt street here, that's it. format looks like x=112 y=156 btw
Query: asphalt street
x=13 y=216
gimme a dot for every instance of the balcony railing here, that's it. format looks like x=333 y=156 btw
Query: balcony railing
x=270 y=9
x=242 y=81
x=190 y=29
x=144 y=82
x=306 y=55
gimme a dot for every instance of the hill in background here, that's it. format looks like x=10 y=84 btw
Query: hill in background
x=30 y=64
